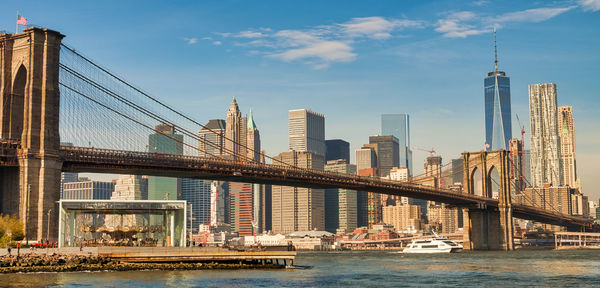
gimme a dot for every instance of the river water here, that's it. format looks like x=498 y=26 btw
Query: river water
x=542 y=268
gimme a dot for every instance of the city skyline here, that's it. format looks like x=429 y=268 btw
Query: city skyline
x=461 y=129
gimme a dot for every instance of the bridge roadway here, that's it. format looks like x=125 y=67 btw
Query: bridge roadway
x=81 y=159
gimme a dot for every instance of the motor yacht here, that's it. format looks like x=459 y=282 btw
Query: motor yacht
x=436 y=244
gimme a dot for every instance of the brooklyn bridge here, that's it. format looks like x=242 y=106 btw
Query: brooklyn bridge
x=52 y=93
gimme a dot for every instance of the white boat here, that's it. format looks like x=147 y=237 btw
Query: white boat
x=433 y=245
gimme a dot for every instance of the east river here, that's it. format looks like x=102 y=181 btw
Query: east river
x=542 y=268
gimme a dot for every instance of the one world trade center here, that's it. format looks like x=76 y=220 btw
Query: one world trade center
x=498 y=129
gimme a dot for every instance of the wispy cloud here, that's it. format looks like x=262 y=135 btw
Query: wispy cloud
x=532 y=15
x=217 y=43
x=459 y=24
x=321 y=45
x=590 y=5
x=481 y=2
x=191 y=40
x=376 y=27
x=465 y=23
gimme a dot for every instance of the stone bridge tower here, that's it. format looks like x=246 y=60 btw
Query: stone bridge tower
x=488 y=228
x=29 y=113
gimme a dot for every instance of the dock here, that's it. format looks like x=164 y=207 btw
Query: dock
x=576 y=240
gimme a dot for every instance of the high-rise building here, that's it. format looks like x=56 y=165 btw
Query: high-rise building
x=457 y=171
x=374 y=206
x=197 y=194
x=166 y=141
x=442 y=218
x=86 y=189
x=297 y=208
x=398 y=125
x=566 y=130
x=211 y=142
x=340 y=204
x=545 y=141
x=387 y=153
x=235 y=132
x=242 y=142
x=130 y=187
x=337 y=149
x=516 y=166
x=403 y=217
x=366 y=158
x=307 y=131
x=498 y=125
x=433 y=168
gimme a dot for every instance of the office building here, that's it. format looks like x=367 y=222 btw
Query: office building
x=197 y=194
x=86 y=189
x=366 y=158
x=398 y=125
x=545 y=141
x=165 y=141
x=387 y=153
x=374 y=206
x=566 y=130
x=433 y=168
x=442 y=218
x=403 y=217
x=498 y=125
x=307 y=131
x=516 y=166
x=337 y=149
x=297 y=208
x=130 y=187
x=340 y=204
x=211 y=143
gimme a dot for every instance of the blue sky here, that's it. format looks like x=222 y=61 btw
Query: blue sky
x=350 y=60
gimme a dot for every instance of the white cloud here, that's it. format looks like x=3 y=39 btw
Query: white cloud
x=249 y=34
x=590 y=5
x=454 y=25
x=321 y=45
x=328 y=51
x=532 y=15
x=217 y=43
x=481 y=2
x=466 y=23
x=376 y=27
x=191 y=40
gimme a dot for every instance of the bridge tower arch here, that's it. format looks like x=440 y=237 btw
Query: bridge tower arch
x=488 y=228
x=29 y=113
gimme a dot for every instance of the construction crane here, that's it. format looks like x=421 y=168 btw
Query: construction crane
x=431 y=152
x=522 y=132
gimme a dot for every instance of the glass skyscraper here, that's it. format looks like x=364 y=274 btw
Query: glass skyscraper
x=398 y=125
x=498 y=127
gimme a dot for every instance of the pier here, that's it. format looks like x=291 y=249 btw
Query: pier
x=576 y=240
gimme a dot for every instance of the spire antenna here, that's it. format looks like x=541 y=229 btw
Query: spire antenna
x=495 y=53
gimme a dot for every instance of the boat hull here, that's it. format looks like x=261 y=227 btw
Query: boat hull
x=431 y=250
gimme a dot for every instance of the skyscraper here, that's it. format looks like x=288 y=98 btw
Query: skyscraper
x=165 y=140
x=86 y=189
x=307 y=131
x=340 y=204
x=197 y=193
x=387 y=154
x=566 y=128
x=366 y=158
x=398 y=125
x=297 y=208
x=211 y=138
x=235 y=132
x=498 y=129
x=337 y=149
x=545 y=141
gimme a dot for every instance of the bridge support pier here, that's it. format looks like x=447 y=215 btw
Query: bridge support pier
x=29 y=113
x=488 y=228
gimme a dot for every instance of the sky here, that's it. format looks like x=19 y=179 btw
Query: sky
x=349 y=60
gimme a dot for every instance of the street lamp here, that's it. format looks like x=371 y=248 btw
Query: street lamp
x=48 y=231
